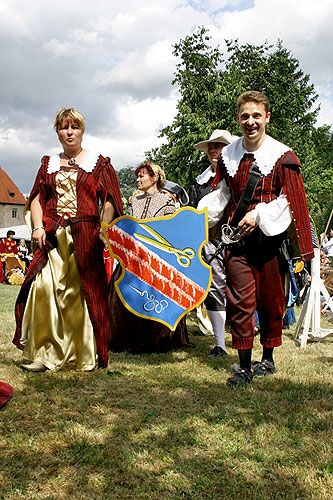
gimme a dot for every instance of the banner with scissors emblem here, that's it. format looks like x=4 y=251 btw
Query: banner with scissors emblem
x=163 y=275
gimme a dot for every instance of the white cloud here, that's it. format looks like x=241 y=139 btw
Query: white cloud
x=79 y=42
x=142 y=72
x=113 y=61
x=136 y=131
x=12 y=21
x=305 y=30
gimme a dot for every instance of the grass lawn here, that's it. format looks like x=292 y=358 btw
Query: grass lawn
x=166 y=426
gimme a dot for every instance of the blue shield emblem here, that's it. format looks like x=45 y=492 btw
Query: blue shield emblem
x=163 y=275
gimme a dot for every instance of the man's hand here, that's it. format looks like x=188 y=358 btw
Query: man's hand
x=247 y=225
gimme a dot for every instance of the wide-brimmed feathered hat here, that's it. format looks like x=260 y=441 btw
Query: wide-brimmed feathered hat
x=217 y=136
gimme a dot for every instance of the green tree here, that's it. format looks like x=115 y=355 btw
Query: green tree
x=276 y=73
x=127 y=183
x=209 y=84
x=318 y=176
x=197 y=77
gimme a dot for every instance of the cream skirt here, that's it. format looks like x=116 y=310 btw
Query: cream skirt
x=56 y=327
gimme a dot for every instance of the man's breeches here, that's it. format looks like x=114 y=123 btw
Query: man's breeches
x=251 y=286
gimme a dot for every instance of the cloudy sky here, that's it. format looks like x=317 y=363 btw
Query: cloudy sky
x=113 y=61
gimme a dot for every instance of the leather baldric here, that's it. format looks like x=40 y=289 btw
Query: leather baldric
x=244 y=202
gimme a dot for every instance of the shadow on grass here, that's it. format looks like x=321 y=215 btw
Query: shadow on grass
x=142 y=429
x=165 y=426
x=326 y=359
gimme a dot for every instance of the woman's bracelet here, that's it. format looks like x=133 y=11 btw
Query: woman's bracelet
x=36 y=228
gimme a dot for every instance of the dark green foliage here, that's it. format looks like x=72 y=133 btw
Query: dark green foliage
x=127 y=181
x=198 y=115
x=318 y=176
x=209 y=84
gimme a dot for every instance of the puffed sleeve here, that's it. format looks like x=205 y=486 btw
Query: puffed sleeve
x=274 y=217
x=37 y=189
x=109 y=186
x=39 y=184
x=215 y=202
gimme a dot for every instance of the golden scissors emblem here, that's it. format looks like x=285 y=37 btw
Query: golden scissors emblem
x=184 y=256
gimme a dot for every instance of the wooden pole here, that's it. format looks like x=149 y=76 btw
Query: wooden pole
x=310 y=313
x=329 y=221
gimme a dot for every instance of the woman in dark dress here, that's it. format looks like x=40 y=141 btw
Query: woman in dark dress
x=130 y=332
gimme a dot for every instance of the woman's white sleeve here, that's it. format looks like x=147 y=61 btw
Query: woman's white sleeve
x=216 y=201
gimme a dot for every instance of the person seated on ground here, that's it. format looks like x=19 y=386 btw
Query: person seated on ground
x=26 y=254
x=10 y=254
x=176 y=192
x=129 y=332
x=15 y=276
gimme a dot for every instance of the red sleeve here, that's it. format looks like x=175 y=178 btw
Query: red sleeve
x=293 y=188
x=39 y=184
x=109 y=186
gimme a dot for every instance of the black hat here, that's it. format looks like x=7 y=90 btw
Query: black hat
x=172 y=187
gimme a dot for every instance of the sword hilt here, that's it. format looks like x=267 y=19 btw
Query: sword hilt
x=229 y=236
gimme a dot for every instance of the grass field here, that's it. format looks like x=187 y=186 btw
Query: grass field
x=166 y=426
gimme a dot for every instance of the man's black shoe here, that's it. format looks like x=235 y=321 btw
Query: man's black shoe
x=242 y=376
x=217 y=352
x=263 y=368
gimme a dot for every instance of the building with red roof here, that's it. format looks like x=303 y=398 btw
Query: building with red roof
x=12 y=202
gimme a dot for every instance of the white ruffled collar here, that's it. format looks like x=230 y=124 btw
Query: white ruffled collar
x=205 y=176
x=87 y=165
x=266 y=156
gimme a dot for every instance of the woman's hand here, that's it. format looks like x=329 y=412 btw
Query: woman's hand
x=101 y=237
x=108 y=215
x=40 y=236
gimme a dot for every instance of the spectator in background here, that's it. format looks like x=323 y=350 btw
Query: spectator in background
x=176 y=192
x=215 y=302
x=10 y=255
x=128 y=332
x=26 y=255
x=328 y=246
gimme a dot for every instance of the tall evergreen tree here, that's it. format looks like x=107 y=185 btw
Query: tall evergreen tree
x=209 y=84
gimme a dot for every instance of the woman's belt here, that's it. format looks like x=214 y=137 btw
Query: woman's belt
x=67 y=220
